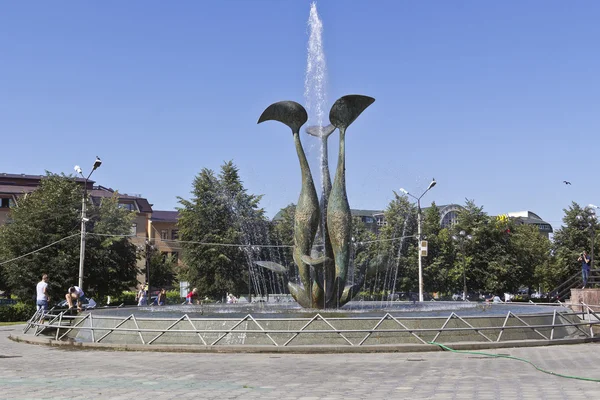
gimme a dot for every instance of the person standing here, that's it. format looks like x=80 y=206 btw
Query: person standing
x=141 y=297
x=585 y=267
x=161 y=300
x=42 y=297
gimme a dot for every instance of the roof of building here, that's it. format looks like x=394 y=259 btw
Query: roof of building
x=365 y=213
x=16 y=189
x=165 y=216
x=104 y=192
x=17 y=184
x=33 y=178
x=524 y=214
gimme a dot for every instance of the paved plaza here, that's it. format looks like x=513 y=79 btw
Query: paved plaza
x=40 y=372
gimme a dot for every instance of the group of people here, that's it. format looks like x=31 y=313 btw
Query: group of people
x=231 y=298
x=142 y=296
x=75 y=295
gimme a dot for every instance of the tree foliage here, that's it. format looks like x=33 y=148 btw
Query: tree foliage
x=50 y=216
x=222 y=213
x=162 y=269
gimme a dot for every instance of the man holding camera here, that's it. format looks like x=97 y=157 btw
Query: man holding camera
x=585 y=267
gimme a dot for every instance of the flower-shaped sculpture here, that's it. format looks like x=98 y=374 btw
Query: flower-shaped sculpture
x=323 y=279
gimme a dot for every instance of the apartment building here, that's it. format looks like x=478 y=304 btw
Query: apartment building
x=14 y=186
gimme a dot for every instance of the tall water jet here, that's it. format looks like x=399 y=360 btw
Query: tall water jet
x=315 y=80
x=323 y=270
x=315 y=97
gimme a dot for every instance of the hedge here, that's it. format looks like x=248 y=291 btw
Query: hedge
x=16 y=313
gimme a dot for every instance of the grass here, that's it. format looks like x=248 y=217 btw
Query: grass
x=12 y=323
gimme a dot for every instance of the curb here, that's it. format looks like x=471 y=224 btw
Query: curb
x=402 y=348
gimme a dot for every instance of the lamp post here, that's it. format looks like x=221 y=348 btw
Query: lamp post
x=148 y=253
x=78 y=169
x=461 y=238
x=432 y=184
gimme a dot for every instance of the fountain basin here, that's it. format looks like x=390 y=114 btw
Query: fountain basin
x=358 y=324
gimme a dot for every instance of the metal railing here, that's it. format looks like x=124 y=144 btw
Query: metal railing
x=60 y=325
x=563 y=290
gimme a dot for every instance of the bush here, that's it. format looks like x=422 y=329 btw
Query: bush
x=127 y=298
x=174 y=297
x=16 y=313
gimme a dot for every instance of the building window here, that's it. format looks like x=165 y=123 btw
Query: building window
x=175 y=234
x=134 y=229
x=164 y=234
x=5 y=203
x=368 y=220
x=127 y=206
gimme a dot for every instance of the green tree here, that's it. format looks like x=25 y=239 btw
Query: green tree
x=533 y=256
x=569 y=242
x=222 y=213
x=396 y=267
x=50 y=216
x=162 y=269
x=440 y=255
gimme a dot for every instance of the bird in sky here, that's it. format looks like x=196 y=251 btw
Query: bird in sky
x=566 y=182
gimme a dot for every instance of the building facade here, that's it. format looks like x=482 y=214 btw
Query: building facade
x=164 y=233
x=149 y=226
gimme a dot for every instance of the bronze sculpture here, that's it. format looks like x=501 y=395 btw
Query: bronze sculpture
x=324 y=278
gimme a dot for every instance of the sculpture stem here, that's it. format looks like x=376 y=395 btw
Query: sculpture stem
x=306 y=218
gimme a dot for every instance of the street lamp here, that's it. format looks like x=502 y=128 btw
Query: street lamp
x=432 y=184
x=589 y=218
x=149 y=251
x=78 y=170
x=461 y=238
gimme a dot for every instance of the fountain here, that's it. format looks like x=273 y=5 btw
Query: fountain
x=322 y=254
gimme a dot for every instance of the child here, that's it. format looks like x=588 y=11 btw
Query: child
x=189 y=299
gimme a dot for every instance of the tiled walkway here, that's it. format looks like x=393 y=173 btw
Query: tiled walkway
x=39 y=372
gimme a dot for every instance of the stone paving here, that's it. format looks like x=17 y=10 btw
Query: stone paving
x=39 y=372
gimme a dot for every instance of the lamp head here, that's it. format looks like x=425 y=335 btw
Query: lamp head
x=432 y=184
x=592 y=206
x=97 y=163
x=404 y=190
x=77 y=169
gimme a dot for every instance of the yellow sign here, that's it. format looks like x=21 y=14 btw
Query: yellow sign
x=423 y=248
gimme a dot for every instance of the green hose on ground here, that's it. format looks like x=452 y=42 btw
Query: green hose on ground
x=479 y=353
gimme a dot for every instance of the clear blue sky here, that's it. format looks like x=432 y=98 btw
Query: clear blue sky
x=499 y=101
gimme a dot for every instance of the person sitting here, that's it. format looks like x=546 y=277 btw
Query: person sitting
x=189 y=299
x=75 y=295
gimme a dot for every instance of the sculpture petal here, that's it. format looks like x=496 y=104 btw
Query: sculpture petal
x=273 y=266
x=288 y=112
x=315 y=262
x=347 y=108
x=320 y=131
